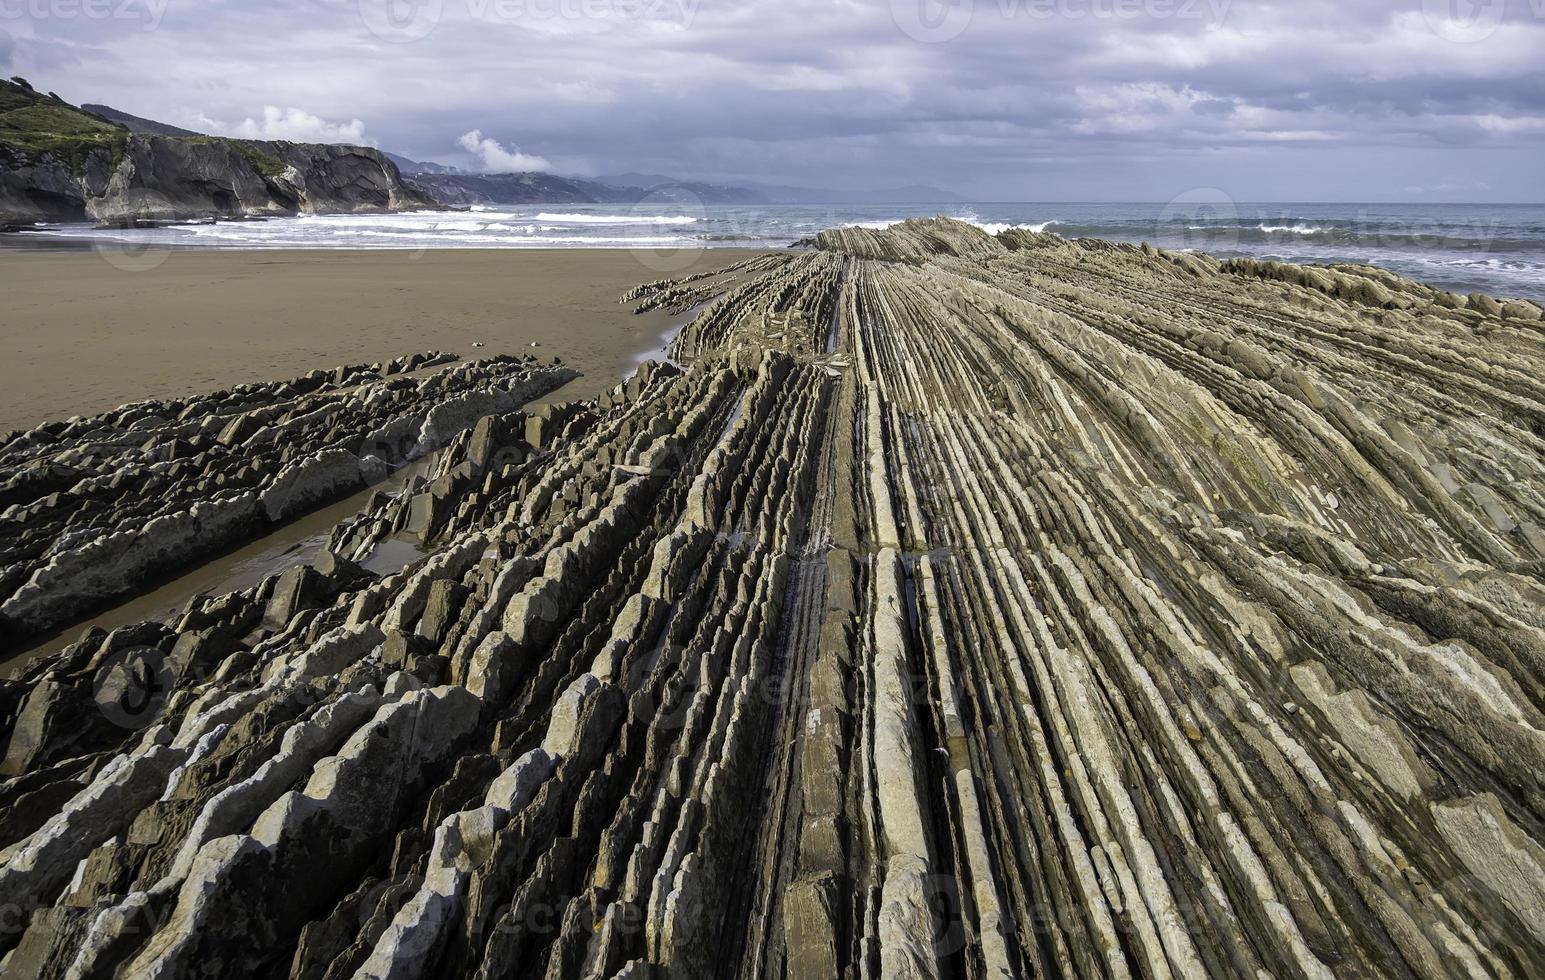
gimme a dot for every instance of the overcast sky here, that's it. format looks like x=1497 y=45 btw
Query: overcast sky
x=1271 y=100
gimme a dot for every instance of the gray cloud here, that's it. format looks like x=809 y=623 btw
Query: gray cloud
x=1022 y=99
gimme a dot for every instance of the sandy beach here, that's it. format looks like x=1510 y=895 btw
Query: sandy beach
x=82 y=334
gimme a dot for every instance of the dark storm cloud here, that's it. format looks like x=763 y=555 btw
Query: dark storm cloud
x=993 y=98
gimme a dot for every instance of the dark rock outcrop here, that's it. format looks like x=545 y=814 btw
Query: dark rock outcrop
x=93 y=509
x=60 y=163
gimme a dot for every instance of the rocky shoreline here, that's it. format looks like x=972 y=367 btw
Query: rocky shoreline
x=60 y=163
x=155 y=179
x=93 y=507
x=960 y=606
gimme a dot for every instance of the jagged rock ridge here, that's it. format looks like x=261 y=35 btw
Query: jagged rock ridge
x=92 y=508
x=966 y=606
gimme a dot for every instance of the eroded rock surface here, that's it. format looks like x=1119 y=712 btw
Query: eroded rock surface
x=966 y=606
x=92 y=508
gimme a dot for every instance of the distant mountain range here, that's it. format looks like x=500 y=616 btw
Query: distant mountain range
x=416 y=167
x=457 y=187
x=60 y=162
x=135 y=124
x=463 y=189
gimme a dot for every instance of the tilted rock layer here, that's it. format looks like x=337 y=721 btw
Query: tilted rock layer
x=91 y=508
x=967 y=606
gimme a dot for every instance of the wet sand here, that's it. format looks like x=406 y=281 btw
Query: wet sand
x=83 y=332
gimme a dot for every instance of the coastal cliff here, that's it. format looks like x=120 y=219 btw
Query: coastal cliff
x=61 y=163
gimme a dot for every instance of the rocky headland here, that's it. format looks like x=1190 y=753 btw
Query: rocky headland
x=953 y=606
x=62 y=163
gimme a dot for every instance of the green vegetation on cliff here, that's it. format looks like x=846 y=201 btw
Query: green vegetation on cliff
x=263 y=163
x=63 y=163
x=35 y=124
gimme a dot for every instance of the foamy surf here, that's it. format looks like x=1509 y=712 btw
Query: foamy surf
x=991 y=227
x=1297 y=229
x=998 y=228
x=1498 y=250
x=618 y=219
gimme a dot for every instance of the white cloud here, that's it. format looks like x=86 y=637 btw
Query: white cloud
x=293 y=124
x=493 y=158
x=1493 y=123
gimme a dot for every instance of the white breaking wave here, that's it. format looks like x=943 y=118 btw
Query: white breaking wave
x=1298 y=229
x=994 y=228
x=618 y=219
x=991 y=227
x=404 y=230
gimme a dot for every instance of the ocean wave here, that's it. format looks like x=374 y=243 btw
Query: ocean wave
x=618 y=219
x=998 y=228
x=991 y=227
x=1298 y=229
x=1492 y=265
x=1471 y=249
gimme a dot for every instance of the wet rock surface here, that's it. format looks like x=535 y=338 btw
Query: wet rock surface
x=963 y=606
x=93 y=508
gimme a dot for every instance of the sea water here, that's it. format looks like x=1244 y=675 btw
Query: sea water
x=1496 y=249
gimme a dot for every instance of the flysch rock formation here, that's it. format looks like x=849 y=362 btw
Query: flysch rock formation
x=953 y=606
x=92 y=508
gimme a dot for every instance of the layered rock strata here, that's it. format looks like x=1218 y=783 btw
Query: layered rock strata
x=964 y=606
x=93 y=508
